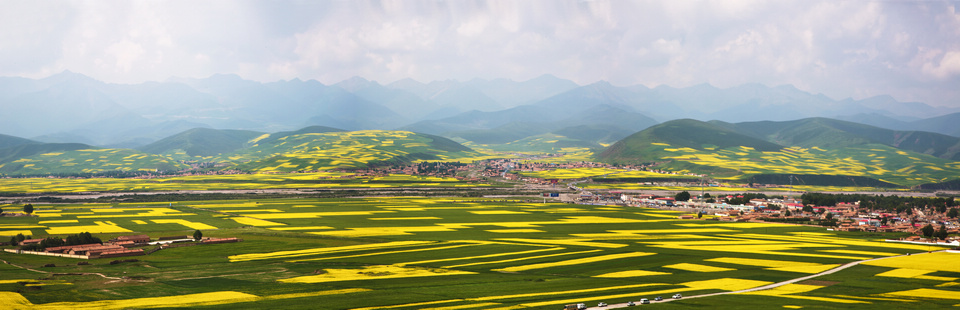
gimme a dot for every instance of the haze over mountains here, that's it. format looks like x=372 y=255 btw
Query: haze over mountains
x=70 y=107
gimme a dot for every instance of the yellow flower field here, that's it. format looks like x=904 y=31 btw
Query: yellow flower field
x=255 y=222
x=934 y=261
x=102 y=227
x=630 y=274
x=779 y=265
x=314 y=251
x=913 y=273
x=511 y=231
x=578 y=261
x=188 y=224
x=697 y=267
x=374 y=272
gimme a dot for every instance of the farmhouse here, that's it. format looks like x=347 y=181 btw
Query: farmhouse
x=134 y=239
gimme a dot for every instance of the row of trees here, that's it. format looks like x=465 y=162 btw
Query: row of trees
x=77 y=239
x=28 y=209
x=929 y=232
x=891 y=203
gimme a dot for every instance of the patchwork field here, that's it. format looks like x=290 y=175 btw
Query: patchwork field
x=313 y=180
x=874 y=161
x=451 y=253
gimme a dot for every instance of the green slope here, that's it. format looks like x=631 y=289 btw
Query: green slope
x=542 y=143
x=685 y=133
x=73 y=159
x=7 y=141
x=727 y=151
x=831 y=133
x=202 y=142
x=344 y=150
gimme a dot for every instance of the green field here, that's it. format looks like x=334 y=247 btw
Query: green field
x=446 y=253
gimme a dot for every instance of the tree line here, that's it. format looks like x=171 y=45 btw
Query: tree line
x=891 y=203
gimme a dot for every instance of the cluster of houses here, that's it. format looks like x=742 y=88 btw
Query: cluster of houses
x=849 y=216
x=118 y=247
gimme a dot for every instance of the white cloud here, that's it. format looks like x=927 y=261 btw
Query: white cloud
x=840 y=48
x=948 y=66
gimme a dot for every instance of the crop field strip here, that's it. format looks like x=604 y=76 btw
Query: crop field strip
x=311 y=180
x=467 y=245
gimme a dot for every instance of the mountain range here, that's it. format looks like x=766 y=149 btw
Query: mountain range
x=73 y=108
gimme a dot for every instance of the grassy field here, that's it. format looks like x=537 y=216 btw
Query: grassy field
x=441 y=253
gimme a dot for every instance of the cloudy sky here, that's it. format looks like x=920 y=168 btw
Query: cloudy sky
x=908 y=49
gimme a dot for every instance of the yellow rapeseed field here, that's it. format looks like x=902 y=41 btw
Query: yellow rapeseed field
x=697 y=267
x=374 y=272
x=327 y=250
x=255 y=222
x=779 y=265
x=938 y=261
x=101 y=227
x=578 y=261
x=188 y=224
x=630 y=274
x=913 y=273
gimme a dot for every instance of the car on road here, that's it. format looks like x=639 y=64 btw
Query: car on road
x=644 y=301
x=658 y=298
x=602 y=304
x=630 y=304
x=677 y=296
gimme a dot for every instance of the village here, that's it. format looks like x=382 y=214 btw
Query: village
x=120 y=246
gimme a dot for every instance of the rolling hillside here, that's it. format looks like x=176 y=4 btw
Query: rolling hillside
x=344 y=150
x=79 y=159
x=202 y=142
x=770 y=151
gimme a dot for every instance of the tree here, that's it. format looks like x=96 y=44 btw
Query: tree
x=28 y=209
x=822 y=210
x=700 y=214
x=953 y=213
x=711 y=200
x=197 y=235
x=787 y=213
x=942 y=233
x=807 y=209
x=706 y=195
x=829 y=216
x=927 y=231
x=883 y=221
x=682 y=196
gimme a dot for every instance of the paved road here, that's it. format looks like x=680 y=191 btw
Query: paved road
x=759 y=288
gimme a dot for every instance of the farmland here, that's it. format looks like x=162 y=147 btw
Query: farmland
x=313 y=180
x=451 y=253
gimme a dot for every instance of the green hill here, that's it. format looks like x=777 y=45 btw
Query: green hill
x=686 y=133
x=858 y=154
x=344 y=150
x=273 y=137
x=543 y=143
x=202 y=142
x=831 y=133
x=11 y=141
x=76 y=159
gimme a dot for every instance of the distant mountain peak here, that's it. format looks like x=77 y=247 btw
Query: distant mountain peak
x=355 y=83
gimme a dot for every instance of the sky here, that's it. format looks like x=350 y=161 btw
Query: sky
x=858 y=49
